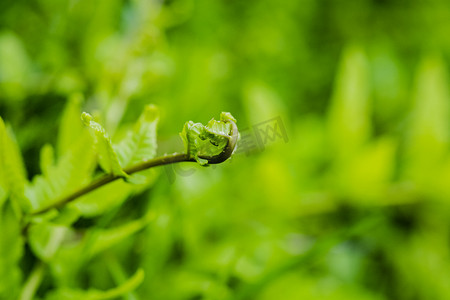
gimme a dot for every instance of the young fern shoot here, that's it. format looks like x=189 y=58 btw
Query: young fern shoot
x=41 y=213
x=206 y=144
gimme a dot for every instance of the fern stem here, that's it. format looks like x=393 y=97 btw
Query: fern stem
x=159 y=161
x=107 y=178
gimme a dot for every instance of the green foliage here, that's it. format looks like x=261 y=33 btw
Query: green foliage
x=361 y=88
x=49 y=231
x=103 y=199
x=71 y=171
x=47 y=234
x=11 y=242
x=138 y=146
x=11 y=250
x=72 y=294
x=13 y=171
x=70 y=128
x=15 y=66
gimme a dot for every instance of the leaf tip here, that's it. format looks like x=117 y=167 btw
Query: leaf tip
x=86 y=118
x=151 y=113
x=226 y=116
x=76 y=98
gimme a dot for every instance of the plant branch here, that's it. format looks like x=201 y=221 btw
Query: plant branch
x=159 y=161
x=107 y=178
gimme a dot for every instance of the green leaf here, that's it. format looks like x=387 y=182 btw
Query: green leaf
x=11 y=250
x=45 y=239
x=73 y=167
x=140 y=143
x=103 y=199
x=3 y=194
x=3 y=182
x=429 y=133
x=12 y=168
x=107 y=238
x=91 y=294
x=67 y=216
x=70 y=173
x=70 y=127
x=349 y=122
x=119 y=275
x=73 y=255
x=106 y=155
x=12 y=158
x=15 y=66
x=44 y=217
x=138 y=146
x=207 y=141
x=47 y=160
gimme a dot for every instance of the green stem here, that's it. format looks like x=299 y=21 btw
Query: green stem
x=107 y=178
x=33 y=282
x=159 y=161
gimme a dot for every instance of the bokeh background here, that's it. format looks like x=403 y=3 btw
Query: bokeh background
x=353 y=204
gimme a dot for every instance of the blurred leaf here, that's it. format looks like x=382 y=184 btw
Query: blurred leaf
x=119 y=275
x=11 y=251
x=349 y=114
x=47 y=159
x=71 y=294
x=70 y=126
x=107 y=157
x=105 y=239
x=429 y=133
x=262 y=102
x=365 y=177
x=66 y=216
x=45 y=239
x=14 y=174
x=73 y=256
x=4 y=187
x=3 y=194
x=427 y=254
x=15 y=66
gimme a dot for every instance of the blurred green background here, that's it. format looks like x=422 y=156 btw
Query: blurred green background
x=361 y=88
